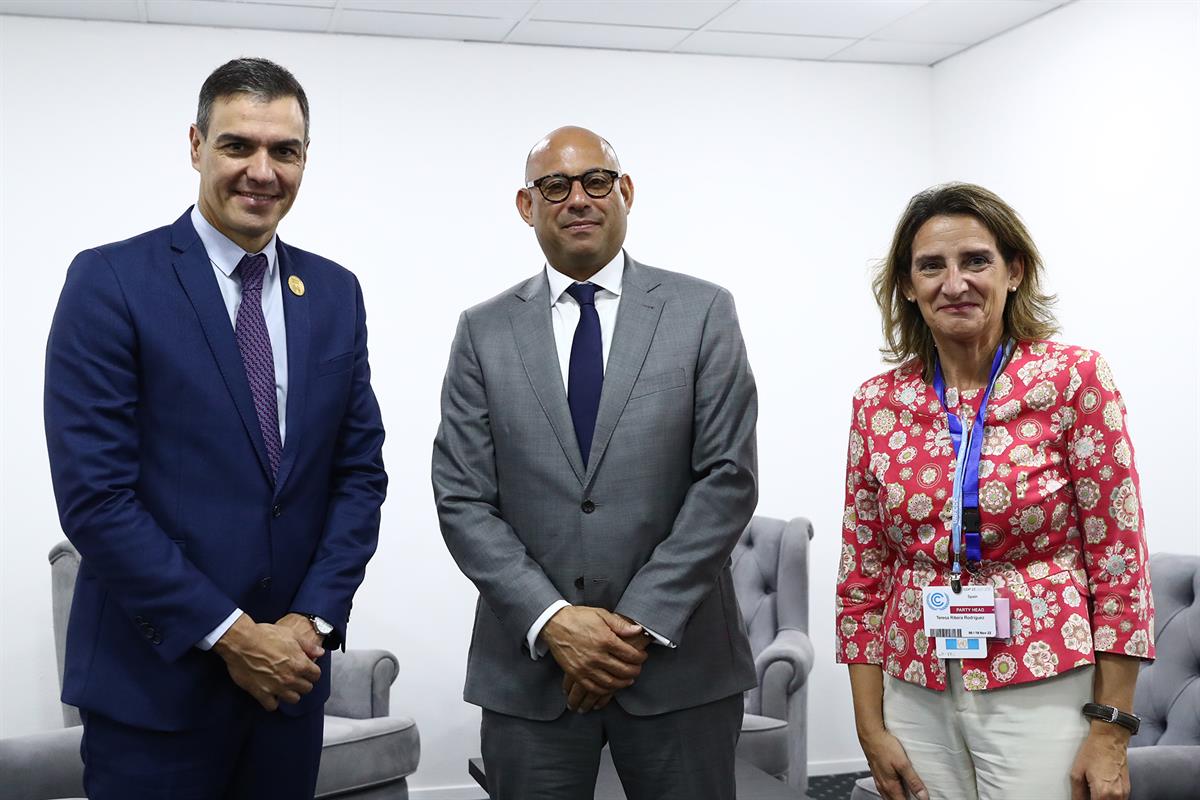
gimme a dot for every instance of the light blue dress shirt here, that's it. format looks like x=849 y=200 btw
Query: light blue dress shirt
x=225 y=255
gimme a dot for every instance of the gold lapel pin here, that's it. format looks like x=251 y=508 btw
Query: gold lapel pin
x=296 y=285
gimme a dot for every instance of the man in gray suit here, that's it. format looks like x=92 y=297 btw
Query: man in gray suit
x=594 y=466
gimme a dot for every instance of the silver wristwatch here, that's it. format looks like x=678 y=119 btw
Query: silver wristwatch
x=322 y=627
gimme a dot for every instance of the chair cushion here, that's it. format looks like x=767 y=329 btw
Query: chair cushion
x=764 y=743
x=360 y=753
x=44 y=764
x=1164 y=772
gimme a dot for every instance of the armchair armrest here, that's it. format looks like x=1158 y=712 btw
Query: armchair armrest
x=791 y=647
x=1164 y=772
x=361 y=683
x=39 y=766
x=783 y=667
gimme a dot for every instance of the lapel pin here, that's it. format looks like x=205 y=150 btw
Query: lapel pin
x=296 y=285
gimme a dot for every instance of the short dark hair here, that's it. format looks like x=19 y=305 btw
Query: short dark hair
x=261 y=79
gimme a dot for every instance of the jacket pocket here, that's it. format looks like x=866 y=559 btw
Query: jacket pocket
x=659 y=382
x=1052 y=609
x=336 y=364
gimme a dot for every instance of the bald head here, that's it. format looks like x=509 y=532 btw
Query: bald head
x=579 y=232
x=573 y=142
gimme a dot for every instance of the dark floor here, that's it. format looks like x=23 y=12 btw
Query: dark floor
x=826 y=787
x=833 y=787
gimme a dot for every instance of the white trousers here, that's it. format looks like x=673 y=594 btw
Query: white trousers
x=1013 y=743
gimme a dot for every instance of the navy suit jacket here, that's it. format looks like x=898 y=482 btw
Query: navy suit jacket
x=161 y=476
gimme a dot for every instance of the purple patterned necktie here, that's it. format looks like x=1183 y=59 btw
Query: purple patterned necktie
x=254 y=342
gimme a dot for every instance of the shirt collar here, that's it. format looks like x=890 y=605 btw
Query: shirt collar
x=609 y=278
x=223 y=252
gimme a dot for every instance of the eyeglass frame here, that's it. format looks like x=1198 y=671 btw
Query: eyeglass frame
x=616 y=178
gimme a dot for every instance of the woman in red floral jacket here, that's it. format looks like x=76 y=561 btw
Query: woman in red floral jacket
x=1059 y=528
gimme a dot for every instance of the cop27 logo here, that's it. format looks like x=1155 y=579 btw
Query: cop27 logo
x=938 y=601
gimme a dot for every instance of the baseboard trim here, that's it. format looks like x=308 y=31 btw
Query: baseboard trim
x=837 y=767
x=464 y=791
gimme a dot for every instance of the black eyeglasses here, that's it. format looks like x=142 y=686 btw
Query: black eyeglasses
x=555 y=188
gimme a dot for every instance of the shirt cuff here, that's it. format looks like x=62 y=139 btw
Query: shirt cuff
x=664 y=641
x=208 y=641
x=538 y=649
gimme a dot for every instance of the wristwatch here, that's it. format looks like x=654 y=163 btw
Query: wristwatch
x=1130 y=722
x=322 y=627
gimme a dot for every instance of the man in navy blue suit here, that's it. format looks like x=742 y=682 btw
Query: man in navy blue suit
x=215 y=447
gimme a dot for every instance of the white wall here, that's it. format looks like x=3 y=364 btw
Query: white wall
x=779 y=180
x=1088 y=122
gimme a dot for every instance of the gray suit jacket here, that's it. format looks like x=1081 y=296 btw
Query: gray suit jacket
x=645 y=530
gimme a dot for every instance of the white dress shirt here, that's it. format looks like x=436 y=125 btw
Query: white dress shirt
x=564 y=314
x=225 y=255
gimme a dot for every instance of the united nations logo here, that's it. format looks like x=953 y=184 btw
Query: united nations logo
x=938 y=601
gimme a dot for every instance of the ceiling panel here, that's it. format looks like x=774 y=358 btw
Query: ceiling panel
x=876 y=52
x=499 y=9
x=880 y=31
x=423 y=26
x=963 y=23
x=310 y=3
x=239 y=15
x=126 y=10
x=619 y=37
x=853 y=18
x=653 y=13
x=762 y=45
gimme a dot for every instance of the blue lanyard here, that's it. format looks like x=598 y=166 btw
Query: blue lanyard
x=966 y=473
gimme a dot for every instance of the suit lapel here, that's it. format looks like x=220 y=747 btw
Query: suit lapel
x=296 y=322
x=195 y=273
x=637 y=320
x=534 y=335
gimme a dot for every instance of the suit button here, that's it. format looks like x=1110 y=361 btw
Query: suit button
x=276 y=511
x=588 y=506
x=265 y=583
x=156 y=640
x=579 y=582
x=148 y=632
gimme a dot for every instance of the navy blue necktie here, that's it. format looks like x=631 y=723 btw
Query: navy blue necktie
x=585 y=377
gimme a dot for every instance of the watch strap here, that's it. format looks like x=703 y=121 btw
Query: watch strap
x=1116 y=716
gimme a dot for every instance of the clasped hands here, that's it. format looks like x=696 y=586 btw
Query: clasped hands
x=273 y=662
x=600 y=652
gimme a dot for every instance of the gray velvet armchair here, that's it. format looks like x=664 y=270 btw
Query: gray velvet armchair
x=1164 y=758
x=770 y=577
x=367 y=754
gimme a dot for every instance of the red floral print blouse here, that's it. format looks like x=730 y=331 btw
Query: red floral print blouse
x=1060 y=518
